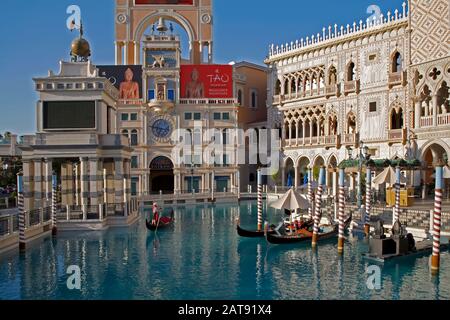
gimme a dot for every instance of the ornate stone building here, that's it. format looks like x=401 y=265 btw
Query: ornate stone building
x=382 y=82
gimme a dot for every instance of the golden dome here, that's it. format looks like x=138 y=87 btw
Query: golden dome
x=81 y=48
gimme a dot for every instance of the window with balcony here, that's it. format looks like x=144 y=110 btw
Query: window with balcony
x=351 y=72
x=239 y=95
x=278 y=88
x=397 y=63
x=397 y=119
x=332 y=76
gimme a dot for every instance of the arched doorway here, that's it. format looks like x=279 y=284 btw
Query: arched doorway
x=161 y=175
x=289 y=173
x=303 y=165
x=432 y=154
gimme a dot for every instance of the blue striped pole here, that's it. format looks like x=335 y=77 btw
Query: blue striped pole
x=437 y=222
x=54 y=194
x=341 y=210
x=317 y=215
x=20 y=204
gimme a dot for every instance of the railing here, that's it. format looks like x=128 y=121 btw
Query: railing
x=396 y=134
x=351 y=86
x=277 y=99
x=444 y=119
x=34 y=217
x=351 y=138
x=331 y=34
x=334 y=90
x=208 y=101
x=426 y=121
x=331 y=140
x=136 y=102
x=395 y=78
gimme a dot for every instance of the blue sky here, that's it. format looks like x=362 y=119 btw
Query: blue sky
x=35 y=38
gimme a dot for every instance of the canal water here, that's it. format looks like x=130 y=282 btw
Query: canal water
x=203 y=258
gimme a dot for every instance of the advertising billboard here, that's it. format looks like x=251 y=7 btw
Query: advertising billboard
x=206 y=81
x=127 y=79
x=167 y=2
x=67 y=115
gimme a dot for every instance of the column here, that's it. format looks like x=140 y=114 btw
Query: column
x=290 y=134
x=125 y=52
x=28 y=185
x=335 y=184
x=38 y=183
x=304 y=132
x=434 y=101
x=64 y=174
x=310 y=132
x=118 y=180
x=84 y=185
x=93 y=174
x=48 y=169
x=417 y=114
x=119 y=54
x=137 y=52
x=296 y=177
x=297 y=127
x=69 y=182
x=210 y=52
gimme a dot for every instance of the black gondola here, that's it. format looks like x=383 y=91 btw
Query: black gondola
x=253 y=234
x=328 y=232
x=161 y=225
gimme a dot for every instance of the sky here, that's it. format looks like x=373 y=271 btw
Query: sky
x=35 y=38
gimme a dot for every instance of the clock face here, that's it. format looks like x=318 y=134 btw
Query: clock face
x=161 y=128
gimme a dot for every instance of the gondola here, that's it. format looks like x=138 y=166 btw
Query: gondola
x=162 y=225
x=253 y=234
x=305 y=235
x=259 y=234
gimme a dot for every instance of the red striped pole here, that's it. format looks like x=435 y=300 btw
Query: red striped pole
x=341 y=211
x=310 y=194
x=260 y=202
x=318 y=216
x=397 y=196
x=20 y=205
x=368 y=201
x=436 y=257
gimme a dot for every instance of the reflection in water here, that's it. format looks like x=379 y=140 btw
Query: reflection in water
x=203 y=258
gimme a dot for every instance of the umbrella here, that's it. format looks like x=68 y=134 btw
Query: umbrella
x=388 y=176
x=292 y=200
x=289 y=181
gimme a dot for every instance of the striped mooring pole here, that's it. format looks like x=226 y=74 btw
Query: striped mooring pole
x=341 y=210
x=398 y=174
x=260 y=202
x=368 y=201
x=20 y=204
x=436 y=257
x=317 y=215
x=310 y=194
x=54 y=200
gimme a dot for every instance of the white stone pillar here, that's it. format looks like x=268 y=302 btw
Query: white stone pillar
x=93 y=185
x=435 y=110
x=119 y=54
x=84 y=186
x=137 y=52
x=38 y=183
x=118 y=180
x=417 y=114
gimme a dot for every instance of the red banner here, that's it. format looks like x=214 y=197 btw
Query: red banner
x=206 y=81
x=166 y=2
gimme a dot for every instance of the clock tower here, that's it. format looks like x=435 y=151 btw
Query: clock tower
x=134 y=17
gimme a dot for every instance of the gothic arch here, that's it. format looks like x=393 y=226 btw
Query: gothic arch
x=152 y=18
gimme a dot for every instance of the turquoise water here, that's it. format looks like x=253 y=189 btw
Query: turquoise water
x=203 y=258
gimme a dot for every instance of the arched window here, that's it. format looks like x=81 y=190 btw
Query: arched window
x=351 y=123
x=278 y=88
x=240 y=97
x=293 y=130
x=125 y=134
x=332 y=76
x=351 y=76
x=134 y=138
x=254 y=99
x=397 y=62
x=286 y=86
x=397 y=119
